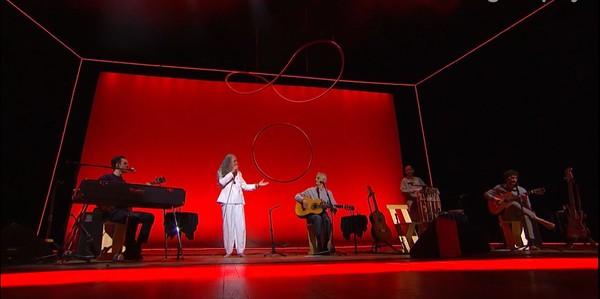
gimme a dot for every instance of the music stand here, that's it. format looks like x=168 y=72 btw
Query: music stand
x=273 y=251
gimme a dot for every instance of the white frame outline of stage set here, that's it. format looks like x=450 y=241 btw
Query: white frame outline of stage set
x=428 y=201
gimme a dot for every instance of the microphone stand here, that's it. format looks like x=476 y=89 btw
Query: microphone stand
x=332 y=242
x=273 y=251
x=332 y=226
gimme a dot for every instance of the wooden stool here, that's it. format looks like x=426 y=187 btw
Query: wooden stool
x=313 y=243
x=116 y=232
x=513 y=233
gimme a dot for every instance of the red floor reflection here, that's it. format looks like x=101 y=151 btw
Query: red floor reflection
x=538 y=277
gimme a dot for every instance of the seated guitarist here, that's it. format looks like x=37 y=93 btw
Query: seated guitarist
x=321 y=222
x=513 y=211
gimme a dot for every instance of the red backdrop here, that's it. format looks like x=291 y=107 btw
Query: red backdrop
x=182 y=129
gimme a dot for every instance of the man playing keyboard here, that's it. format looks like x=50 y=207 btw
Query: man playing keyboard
x=124 y=214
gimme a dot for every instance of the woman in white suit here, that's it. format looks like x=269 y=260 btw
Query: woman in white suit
x=232 y=202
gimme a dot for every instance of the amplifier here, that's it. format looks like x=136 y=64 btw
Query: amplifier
x=89 y=238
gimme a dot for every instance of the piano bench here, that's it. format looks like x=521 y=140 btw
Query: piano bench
x=116 y=233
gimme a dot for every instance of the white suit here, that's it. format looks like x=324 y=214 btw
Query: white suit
x=232 y=203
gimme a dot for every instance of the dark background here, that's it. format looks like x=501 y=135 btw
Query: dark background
x=526 y=100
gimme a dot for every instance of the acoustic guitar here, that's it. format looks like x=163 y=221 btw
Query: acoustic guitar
x=158 y=180
x=496 y=206
x=379 y=229
x=576 y=228
x=316 y=207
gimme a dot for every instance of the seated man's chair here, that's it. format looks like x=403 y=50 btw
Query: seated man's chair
x=114 y=239
x=313 y=242
x=513 y=232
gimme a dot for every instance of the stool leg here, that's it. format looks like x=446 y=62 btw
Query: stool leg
x=119 y=239
x=512 y=234
x=508 y=235
x=517 y=229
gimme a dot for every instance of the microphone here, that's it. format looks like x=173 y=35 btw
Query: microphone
x=131 y=169
x=370 y=190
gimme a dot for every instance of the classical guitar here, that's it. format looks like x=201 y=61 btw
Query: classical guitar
x=316 y=207
x=496 y=206
x=379 y=229
x=576 y=228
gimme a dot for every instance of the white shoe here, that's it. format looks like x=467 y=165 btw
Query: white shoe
x=227 y=255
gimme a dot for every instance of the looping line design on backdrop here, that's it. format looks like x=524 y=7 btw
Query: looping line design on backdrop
x=272 y=82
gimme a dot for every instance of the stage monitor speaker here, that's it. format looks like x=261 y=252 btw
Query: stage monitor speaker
x=450 y=237
x=472 y=238
x=440 y=239
x=20 y=245
x=89 y=239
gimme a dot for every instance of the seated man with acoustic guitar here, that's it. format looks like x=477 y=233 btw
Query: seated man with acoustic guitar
x=511 y=202
x=312 y=204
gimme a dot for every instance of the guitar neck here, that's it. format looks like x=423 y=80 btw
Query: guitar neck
x=375 y=204
x=317 y=206
x=347 y=207
x=509 y=196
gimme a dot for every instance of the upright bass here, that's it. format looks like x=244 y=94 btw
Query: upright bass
x=576 y=229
